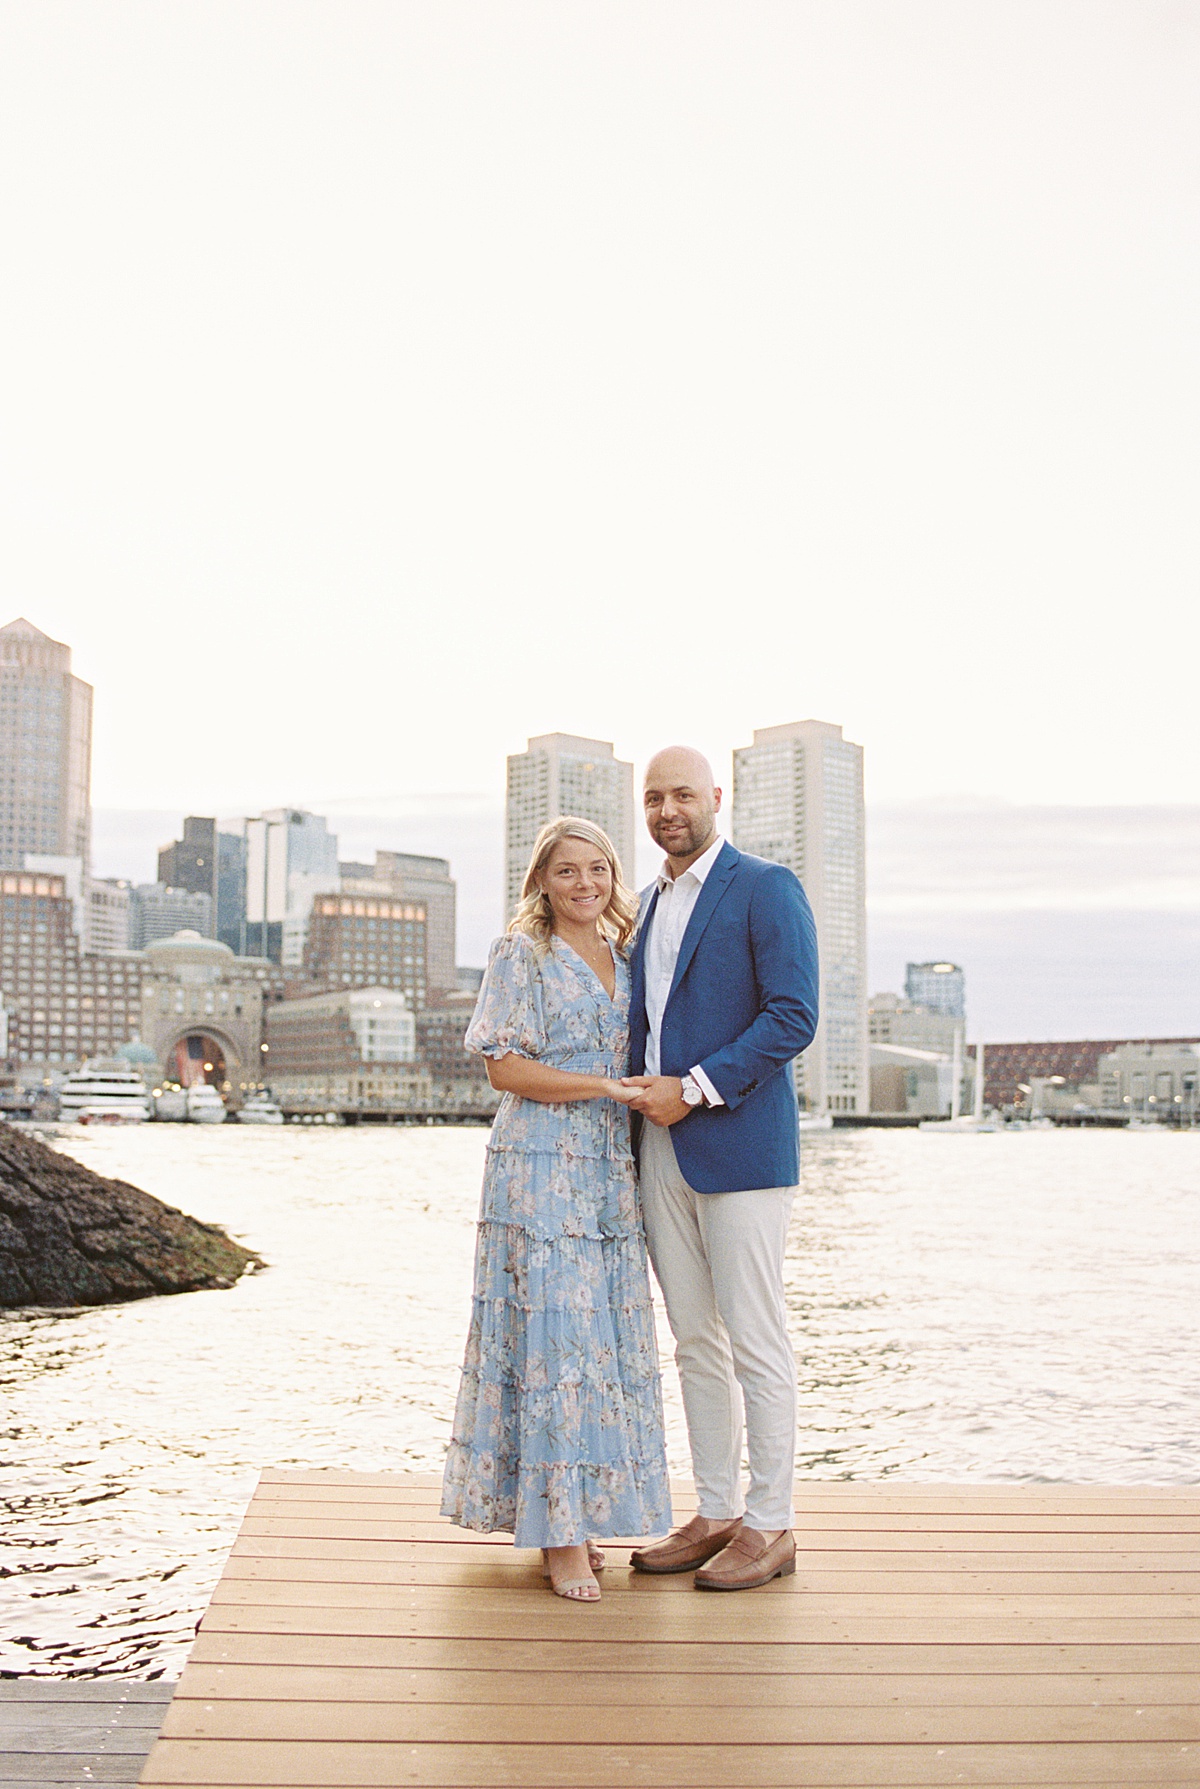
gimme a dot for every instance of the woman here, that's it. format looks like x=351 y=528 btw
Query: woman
x=558 y=1433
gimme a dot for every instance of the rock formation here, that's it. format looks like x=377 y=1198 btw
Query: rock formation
x=70 y=1237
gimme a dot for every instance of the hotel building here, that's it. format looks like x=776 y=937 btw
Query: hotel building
x=798 y=800
x=360 y=941
x=559 y=773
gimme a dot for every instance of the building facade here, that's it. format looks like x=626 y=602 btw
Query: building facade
x=202 y=1012
x=63 y=1003
x=798 y=800
x=45 y=749
x=353 y=1049
x=156 y=911
x=427 y=881
x=358 y=941
x=894 y=1020
x=108 y=914
x=291 y=856
x=939 y=986
x=1152 y=1081
x=559 y=773
x=458 y=1081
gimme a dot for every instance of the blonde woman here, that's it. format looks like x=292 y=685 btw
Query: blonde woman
x=558 y=1433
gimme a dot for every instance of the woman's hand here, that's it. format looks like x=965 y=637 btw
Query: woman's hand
x=623 y=1095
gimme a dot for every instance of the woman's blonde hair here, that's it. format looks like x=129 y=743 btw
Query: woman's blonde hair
x=534 y=916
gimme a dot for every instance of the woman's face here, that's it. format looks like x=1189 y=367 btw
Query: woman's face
x=577 y=881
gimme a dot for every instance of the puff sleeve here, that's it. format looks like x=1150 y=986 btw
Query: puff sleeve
x=508 y=1018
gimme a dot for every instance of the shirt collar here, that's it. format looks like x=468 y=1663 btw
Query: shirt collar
x=699 y=869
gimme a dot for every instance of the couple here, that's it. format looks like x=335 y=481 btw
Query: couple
x=558 y=1433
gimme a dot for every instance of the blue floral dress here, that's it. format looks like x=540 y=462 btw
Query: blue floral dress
x=558 y=1432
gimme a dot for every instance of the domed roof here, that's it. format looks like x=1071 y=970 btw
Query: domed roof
x=189 y=947
x=137 y=1051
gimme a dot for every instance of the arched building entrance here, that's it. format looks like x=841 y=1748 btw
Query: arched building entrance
x=196 y=1057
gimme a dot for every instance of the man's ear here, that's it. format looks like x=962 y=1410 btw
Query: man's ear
x=716 y=801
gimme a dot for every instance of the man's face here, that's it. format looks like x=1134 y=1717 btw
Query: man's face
x=681 y=805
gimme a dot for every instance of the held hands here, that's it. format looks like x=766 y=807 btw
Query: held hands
x=657 y=1097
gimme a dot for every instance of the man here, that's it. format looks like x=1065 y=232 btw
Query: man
x=724 y=997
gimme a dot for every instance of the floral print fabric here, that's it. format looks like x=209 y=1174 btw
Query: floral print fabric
x=558 y=1431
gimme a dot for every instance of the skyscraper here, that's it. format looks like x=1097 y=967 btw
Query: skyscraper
x=939 y=986
x=209 y=861
x=561 y=774
x=798 y=800
x=291 y=856
x=45 y=749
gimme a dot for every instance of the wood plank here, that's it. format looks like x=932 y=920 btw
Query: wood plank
x=525 y=1568
x=533 y=1596
x=317 y=1765
x=532 y=1686
x=851 y=1499
x=657 y=1659
x=369 y=1723
x=818 y=1521
x=606 y=1622
x=113 y=1691
x=839 y=1559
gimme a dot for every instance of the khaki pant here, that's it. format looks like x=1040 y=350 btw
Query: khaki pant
x=719 y=1261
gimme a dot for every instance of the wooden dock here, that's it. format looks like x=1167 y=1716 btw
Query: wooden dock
x=932 y=1635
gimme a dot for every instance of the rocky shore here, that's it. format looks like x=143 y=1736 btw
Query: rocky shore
x=70 y=1237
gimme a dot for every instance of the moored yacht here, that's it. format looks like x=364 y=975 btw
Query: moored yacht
x=205 y=1105
x=104 y=1091
x=260 y=1108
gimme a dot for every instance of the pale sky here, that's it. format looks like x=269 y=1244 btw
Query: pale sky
x=385 y=383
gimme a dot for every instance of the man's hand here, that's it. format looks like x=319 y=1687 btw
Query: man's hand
x=658 y=1098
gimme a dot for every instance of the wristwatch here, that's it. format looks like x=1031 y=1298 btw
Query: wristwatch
x=693 y=1093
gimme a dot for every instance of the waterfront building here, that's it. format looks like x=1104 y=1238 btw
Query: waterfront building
x=559 y=773
x=798 y=800
x=63 y=1003
x=210 y=860
x=427 y=881
x=910 y=1080
x=202 y=1012
x=893 y=1020
x=45 y=749
x=359 y=940
x=156 y=911
x=350 y=1049
x=939 y=986
x=290 y=856
x=107 y=914
x=1159 y=1081
x=457 y=1080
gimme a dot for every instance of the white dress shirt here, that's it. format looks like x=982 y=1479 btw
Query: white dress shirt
x=677 y=896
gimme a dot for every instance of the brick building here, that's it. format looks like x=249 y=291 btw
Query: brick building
x=62 y=1003
x=351 y=1049
x=359 y=941
x=458 y=1079
x=1007 y=1066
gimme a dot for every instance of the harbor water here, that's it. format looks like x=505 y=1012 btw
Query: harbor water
x=1012 y=1308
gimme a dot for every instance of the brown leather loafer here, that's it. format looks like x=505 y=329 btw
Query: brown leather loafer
x=749 y=1561
x=684 y=1548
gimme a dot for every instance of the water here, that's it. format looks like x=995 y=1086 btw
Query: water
x=1021 y=1307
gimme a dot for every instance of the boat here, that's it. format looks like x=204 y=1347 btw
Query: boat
x=170 y=1105
x=104 y=1091
x=816 y=1121
x=964 y=1123
x=205 y=1105
x=260 y=1108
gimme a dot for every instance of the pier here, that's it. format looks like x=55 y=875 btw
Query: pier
x=932 y=1634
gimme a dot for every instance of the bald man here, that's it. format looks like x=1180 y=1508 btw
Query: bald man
x=724 y=998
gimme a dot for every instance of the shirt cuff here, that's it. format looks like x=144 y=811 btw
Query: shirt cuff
x=706 y=1087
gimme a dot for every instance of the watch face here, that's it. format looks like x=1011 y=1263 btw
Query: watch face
x=691 y=1093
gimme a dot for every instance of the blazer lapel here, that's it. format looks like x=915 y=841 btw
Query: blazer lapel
x=637 y=988
x=715 y=884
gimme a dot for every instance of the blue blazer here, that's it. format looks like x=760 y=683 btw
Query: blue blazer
x=742 y=1005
